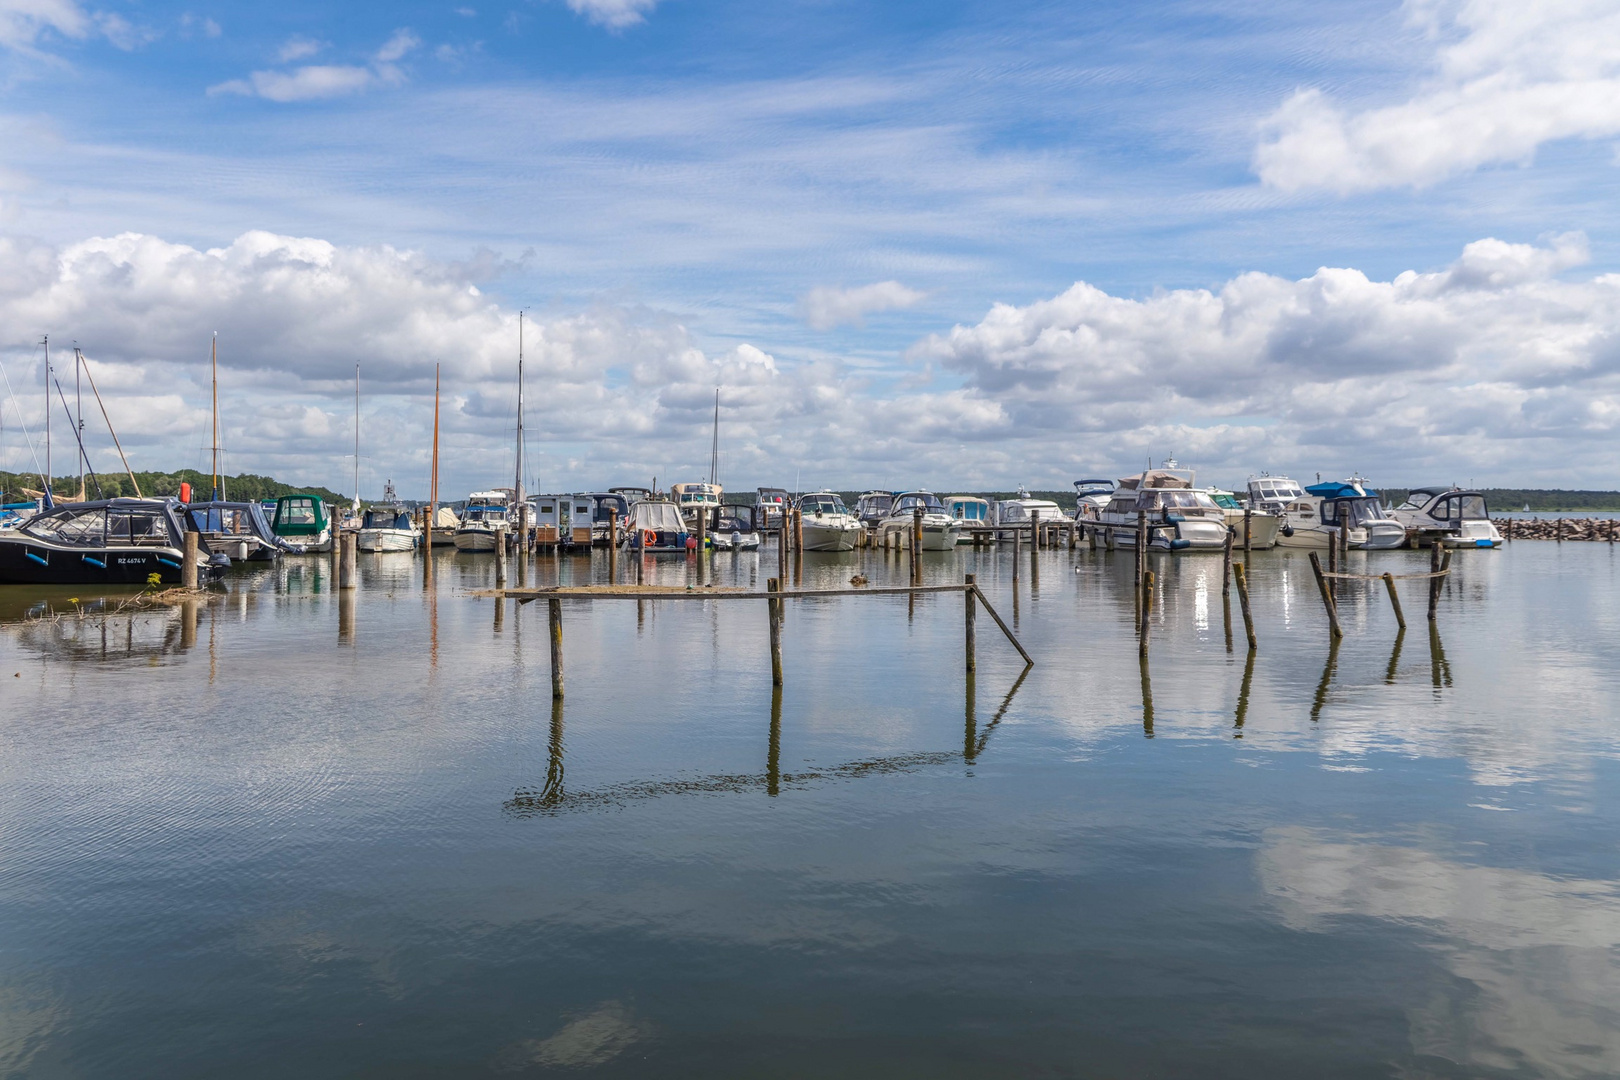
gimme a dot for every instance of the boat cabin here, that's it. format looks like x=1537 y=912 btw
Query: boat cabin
x=769 y=506
x=968 y=509
x=486 y=506
x=300 y=517
x=387 y=517
x=1019 y=509
x=820 y=503
x=874 y=506
x=735 y=519
x=1273 y=493
x=910 y=502
x=237 y=529
x=695 y=499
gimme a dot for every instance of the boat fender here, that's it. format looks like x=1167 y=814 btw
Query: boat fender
x=1287 y=530
x=1174 y=518
x=1177 y=545
x=94 y=562
x=36 y=558
x=691 y=543
x=168 y=562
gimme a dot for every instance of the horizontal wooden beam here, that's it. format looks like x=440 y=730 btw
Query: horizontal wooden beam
x=619 y=593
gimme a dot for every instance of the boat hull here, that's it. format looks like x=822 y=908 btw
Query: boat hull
x=1192 y=534
x=386 y=540
x=475 y=540
x=28 y=562
x=829 y=537
x=736 y=541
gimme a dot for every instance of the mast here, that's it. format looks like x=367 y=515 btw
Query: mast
x=714 y=451
x=357 y=435
x=517 y=484
x=78 y=408
x=46 y=341
x=213 y=360
x=433 y=483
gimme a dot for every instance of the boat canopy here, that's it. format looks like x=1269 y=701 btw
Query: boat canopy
x=106 y=522
x=606 y=503
x=914 y=500
x=822 y=502
x=967 y=507
x=657 y=517
x=497 y=497
x=1156 y=478
x=1340 y=490
x=299 y=515
x=387 y=517
x=236 y=518
x=696 y=494
x=737 y=519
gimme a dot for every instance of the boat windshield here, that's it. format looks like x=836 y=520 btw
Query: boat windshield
x=822 y=504
x=1460 y=506
x=968 y=509
x=1175 y=500
x=876 y=503
x=1278 y=488
x=496 y=514
x=1358 y=512
x=918 y=500
x=608 y=505
x=297 y=512
x=1225 y=501
x=386 y=519
x=86 y=528
x=735 y=519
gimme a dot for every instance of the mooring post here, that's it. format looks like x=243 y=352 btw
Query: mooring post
x=774 y=606
x=1141 y=545
x=613 y=545
x=1248 y=519
x=967 y=593
x=1018 y=555
x=349 y=561
x=781 y=548
x=702 y=534
x=1108 y=539
x=1344 y=538
x=188 y=561
x=916 y=545
x=1147 y=611
x=1091 y=536
x=1434 y=580
x=1333 y=565
x=1327 y=597
x=1226 y=566
x=1558 y=531
x=500 y=557
x=798 y=530
x=1395 y=600
x=1242 y=577
x=1034 y=542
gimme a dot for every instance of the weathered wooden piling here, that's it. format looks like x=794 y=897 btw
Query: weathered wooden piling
x=916 y=545
x=554 y=617
x=1034 y=543
x=1241 y=575
x=500 y=557
x=781 y=549
x=1327 y=596
x=1333 y=567
x=967 y=595
x=1147 y=612
x=613 y=546
x=798 y=530
x=1248 y=521
x=1434 y=582
x=1226 y=566
x=774 y=606
x=1018 y=554
x=188 y=561
x=1141 y=545
x=702 y=535
x=349 y=560
x=1395 y=600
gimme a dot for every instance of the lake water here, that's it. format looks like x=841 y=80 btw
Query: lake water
x=291 y=834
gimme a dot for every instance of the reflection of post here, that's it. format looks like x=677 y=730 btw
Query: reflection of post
x=1395 y=655
x=1018 y=560
x=346 y=600
x=1243 y=696
x=970 y=738
x=1034 y=548
x=916 y=545
x=1439 y=668
x=1141 y=545
x=1434 y=580
x=188 y=622
x=1147 y=699
x=1327 y=677
x=773 y=752
x=500 y=613
x=1241 y=575
x=972 y=610
x=554 y=614
x=1226 y=566
x=552 y=793
x=1226 y=619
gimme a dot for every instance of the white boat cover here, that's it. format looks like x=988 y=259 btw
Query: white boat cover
x=657 y=516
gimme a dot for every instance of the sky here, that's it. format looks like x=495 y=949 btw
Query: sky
x=956 y=244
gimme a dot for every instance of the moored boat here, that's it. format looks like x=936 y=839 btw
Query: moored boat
x=873 y=507
x=827 y=523
x=1449 y=516
x=972 y=511
x=486 y=513
x=387 y=528
x=939 y=529
x=1022 y=508
x=657 y=526
x=303 y=520
x=694 y=499
x=1090 y=496
x=732 y=529
x=1179 y=517
x=1262 y=524
x=770 y=504
x=235 y=529
x=105 y=542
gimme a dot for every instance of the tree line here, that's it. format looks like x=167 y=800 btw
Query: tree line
x=247 y=487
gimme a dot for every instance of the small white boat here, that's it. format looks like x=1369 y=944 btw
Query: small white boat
x=657 y=526
x=695 y=499
x=769 y=506
x=1179 y=517
x=734 y=529
x=485 y=513
x=972 y=511
x=387 y=528
x=1448 y=516
x=1090 y=496
x=1312 y=520
x=873 y=507
x=827 y=523
x=939 y=529
x=1022 y=508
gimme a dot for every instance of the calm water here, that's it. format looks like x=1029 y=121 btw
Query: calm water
x=289 y=835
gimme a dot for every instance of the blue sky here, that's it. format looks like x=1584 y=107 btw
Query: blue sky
x=818 y=206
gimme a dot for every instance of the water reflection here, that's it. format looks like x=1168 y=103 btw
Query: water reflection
x=1332 y=662
x=1243 y=696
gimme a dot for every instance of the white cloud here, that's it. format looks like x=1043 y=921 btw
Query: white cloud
x=315 y=81
x=24 y=22
x=299 y=48
x=613 y=14
x=1510 y=77
x=825 y=307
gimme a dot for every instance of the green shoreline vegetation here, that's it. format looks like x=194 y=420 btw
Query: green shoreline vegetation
x=247 y=487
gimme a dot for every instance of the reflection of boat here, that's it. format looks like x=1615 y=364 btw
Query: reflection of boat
x=485 y=513
x=657 y=526
x=303 y=520
x=106 y=542
x=827 y=523
x=873 y=507
x=236 y=529
x=734 y=529
x=970 y=510
x=939 y=529
x=387 y=528
x=1180 y=518
x=1449 y=516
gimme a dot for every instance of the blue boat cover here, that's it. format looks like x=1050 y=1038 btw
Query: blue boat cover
x=1338 y=490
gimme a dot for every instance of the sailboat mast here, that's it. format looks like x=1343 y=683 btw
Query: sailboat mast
x=78 y=410
x=357 y=435
x=433 y=483
x=213 y=360
x=46 y=341
x=517 y=483
x=714 y=451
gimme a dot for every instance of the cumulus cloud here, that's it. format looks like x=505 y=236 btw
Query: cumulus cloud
x=316 y=81
x=24 y=22
x=613 y=14
x=825 y=307
x=1509 y=77
x=298 y=47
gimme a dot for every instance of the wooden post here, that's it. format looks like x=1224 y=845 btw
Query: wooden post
x=775 y=608
x=1248 y=536
x=1333 y=565
x=188 y=561
x=500 y=557
x=972 y=664
x=1226 y=566
x=1344 y=537
x=1034 y=542
x=349 y=561
x=1558 y=532
x=1147 y=610
x=554 y=613
x=1327 y=597
x=781 y=548
x=1018 y=556
x=1091 y=535
x=916 y=546
x=1611 y=530
x=798 y=529
x=1395 y=600
x=1108 y=539
x=702 y=532
x=1074 y=527
x=613 y=545
x=1141 y=545
x=1434 y=582
x=1242 y=577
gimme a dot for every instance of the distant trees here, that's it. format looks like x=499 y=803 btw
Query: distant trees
x=247 y=487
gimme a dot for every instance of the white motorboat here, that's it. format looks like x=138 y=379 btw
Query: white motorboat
x=873 y=507
x=1448 y=516
x=1090 y=497
x=769 y=506
x=972 y=511
x=939 y=529
x=695 y=499
x=1313 y=519
x=485 y=513
x=827 y=523
x=1262 y=524
x=387 y=528
x=1179 y=517
x=657 y=526
x=1022 y=508
x=1273 y=493
x=734 y=529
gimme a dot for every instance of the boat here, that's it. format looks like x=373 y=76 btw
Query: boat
x=827 y=523
x=695 y=499
x=563 y=520
x=604 y=506
x=1090 y=496
x=238 y=530
x=1022 y=508
x=769 y=505
x=1449 y=516
x=388 y=527
x=873 y=507
x=302 y=519
x=1273 y=493
x=1262 y=524
x=633 y=495
x=939 y=529
x=105 y=542
x=970 y=510
x=445 y=524
x=1356 y=507
x=734 y=529
x=656 y=526
x=1180 y=517
x=485 y=513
